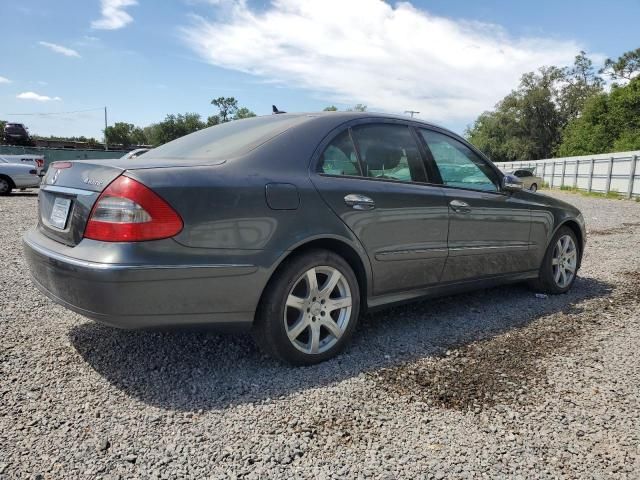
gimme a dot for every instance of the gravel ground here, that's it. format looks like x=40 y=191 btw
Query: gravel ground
x=496 y=383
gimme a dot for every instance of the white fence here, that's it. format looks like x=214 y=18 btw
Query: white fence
x=610 y=172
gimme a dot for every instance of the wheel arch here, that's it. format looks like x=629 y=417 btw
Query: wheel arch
x=336 y=245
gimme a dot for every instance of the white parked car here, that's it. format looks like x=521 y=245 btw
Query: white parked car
x=36 y=160
x=17 y=175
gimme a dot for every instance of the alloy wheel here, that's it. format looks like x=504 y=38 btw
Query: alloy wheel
x=4 y=186
x=564 y=261
x=318 y=310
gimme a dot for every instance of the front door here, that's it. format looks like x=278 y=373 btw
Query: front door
x=489 y=230
x=373 y=177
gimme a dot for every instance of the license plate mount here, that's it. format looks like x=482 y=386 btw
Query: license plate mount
x=60 y=212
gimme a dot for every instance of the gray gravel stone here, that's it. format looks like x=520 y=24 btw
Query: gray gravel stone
x=490 y=384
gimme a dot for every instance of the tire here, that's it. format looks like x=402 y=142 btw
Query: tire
x=549 y=280
x=533 y=188
x=6 y=185
x=292 y=314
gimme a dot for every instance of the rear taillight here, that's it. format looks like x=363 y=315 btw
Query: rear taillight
x=39 y=162
x=128 y=211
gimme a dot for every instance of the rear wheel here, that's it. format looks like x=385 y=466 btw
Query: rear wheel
x=560 y=263
x=309 y=309
x=5 y=186
x=534 y=187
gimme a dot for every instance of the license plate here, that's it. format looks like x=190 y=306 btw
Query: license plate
x=60 y=212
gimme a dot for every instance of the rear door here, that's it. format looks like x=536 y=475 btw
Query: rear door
x=372 y=176
x=488 y=229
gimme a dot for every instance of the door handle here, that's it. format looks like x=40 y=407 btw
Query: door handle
x=359 y=202
x=459 y=206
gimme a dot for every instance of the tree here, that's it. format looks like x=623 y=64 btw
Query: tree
x=172 y=127
x=609 y=122
x=359 y=107
x=580 y=83
x=332 y=108
x=528 y=123
x=243 y=112
x=625 y=67
x=125 y=134
x=227 y=106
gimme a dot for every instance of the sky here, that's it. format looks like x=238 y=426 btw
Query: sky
x=143 y=59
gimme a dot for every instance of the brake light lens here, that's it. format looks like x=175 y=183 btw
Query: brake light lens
x=39 y=162
x=61 y=165
x=128 y=211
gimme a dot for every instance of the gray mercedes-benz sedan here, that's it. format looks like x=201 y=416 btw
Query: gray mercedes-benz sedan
x=291 y=225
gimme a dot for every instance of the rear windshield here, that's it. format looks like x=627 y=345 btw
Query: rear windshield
x=229 y=139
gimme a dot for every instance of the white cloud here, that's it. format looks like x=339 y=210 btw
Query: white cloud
x=37 y=97
x=390 y=57
x=54 y=47
x=4 y=80
x=113 y=14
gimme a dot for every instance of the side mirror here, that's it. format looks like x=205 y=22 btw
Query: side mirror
x=511 y=183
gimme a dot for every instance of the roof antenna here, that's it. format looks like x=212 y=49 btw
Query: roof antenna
x=275 y=110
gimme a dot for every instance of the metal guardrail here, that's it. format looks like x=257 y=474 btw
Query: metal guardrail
x=611 y=172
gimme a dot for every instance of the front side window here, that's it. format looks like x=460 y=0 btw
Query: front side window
x=459 y=166
x=389 y=152
x=339 y=158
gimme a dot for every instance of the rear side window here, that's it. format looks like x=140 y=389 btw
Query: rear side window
x=459 y=166
x=389 y=152
x=339 y=158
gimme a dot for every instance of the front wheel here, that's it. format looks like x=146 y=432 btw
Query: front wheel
x=5 y=186
x=560 y=264
x=309 y=310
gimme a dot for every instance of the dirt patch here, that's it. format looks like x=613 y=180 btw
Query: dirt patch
x=508 y=368
x=625 y=228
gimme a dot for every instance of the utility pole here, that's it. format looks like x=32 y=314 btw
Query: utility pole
x=106 y=143
x=411 y=112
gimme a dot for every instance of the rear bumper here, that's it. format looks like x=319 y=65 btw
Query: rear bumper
x=145 y=295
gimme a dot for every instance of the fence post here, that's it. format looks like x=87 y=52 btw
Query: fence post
x=575 y=174
x=564 y=169
x=553 y=172
x=609 y=172
x=544 y=170
x=593 y=162
x=632 y=176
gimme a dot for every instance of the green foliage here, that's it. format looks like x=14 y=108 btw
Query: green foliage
x=172 y=127
x=609 y=122
x=359 y=107
x=125 y=134
x=2 y=124
x=625 y=67
x=527 y=124
x=227 y=106
x=332 y=108
x=243 y=112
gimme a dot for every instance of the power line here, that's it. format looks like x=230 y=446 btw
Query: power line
x=44 y=114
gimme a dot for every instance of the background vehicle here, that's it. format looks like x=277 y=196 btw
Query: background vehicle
x=16 y=134
x=291 y=225
x=529 y=179
x=34 y=160
x=135 y=153
x=16 y=175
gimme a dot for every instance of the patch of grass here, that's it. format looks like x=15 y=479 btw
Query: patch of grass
x=612 y=194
